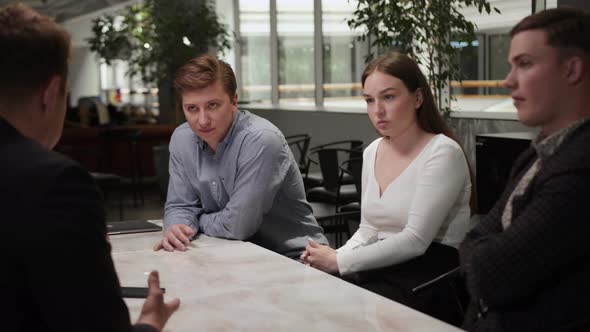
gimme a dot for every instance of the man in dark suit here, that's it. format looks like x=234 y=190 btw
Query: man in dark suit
x=527 y=263
x=57 y=272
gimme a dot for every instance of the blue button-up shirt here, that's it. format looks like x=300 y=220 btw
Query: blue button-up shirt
x=250 y=188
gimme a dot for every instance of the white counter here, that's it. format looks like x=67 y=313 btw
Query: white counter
x=238 y=286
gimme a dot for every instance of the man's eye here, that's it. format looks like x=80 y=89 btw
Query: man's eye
x=524 y=64
x=369 y=100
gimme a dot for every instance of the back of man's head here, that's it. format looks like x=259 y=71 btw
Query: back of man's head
x=203 y=71
x=33 y=49
x=567 y=29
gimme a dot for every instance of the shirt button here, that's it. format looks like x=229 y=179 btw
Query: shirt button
x=213 y=182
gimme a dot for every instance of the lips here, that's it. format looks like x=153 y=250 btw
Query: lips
x=206 y=131
x=517 y=98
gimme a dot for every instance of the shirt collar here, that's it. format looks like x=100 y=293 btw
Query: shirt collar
x=547 y=145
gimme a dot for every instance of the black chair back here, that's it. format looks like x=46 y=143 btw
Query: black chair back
x=328 y=159
x=354 y=167
x=339 y=225
x=300 y=146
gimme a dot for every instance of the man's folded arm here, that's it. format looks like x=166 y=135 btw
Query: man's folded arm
x=262 y=167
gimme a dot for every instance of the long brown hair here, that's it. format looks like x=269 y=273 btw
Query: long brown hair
x=404 y=68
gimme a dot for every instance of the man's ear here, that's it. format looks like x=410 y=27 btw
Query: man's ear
x=576 y=69
x=51 y=93
x=234 y=100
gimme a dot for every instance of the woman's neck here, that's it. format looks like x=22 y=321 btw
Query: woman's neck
x=405 y=142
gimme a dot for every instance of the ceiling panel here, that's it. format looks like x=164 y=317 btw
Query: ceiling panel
x=63 y=10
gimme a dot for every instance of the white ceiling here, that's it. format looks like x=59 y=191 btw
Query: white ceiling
x=63 y=10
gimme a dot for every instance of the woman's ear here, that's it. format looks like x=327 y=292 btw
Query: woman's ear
x=419 y=98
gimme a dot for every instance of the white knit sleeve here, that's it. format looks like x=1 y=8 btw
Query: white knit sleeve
x=439 y=185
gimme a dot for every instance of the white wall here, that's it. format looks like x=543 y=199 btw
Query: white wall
x=84 y=68
x=84 y=74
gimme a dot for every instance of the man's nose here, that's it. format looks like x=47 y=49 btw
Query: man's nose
x=509 y=81
x=203 y=120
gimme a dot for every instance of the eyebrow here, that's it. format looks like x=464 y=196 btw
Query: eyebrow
x=217 y=100
x=382 y=91
x=518 y=57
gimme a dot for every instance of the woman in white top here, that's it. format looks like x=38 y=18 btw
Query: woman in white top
x=416 y=190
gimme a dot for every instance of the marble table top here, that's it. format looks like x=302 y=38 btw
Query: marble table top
x=228 y=285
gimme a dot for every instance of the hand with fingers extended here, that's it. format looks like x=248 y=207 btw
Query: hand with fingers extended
x=155 y=311
x=320 y=257
x=176 y=237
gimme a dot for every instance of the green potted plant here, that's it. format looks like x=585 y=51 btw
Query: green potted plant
x=423 y=29
x=155 y=37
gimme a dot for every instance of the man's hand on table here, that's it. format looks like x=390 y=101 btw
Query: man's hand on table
x=176 y=237
x=155 y=311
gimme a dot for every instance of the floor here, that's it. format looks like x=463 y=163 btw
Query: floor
x=152 y=207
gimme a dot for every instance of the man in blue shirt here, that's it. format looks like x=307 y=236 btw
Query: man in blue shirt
x=232 y=174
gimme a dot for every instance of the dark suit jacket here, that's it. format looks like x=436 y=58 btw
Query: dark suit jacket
x=57 y=273
x=535 y=275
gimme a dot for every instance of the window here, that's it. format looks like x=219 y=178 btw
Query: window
x=255 y=51
x=296 y=39
x=484 y=61
x=295 y=30
x=343 y=56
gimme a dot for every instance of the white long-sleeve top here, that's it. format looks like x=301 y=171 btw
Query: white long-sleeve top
x=428 y=201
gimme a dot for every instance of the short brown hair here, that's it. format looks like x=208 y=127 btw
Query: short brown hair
x=33 y=49
x=202 y=71
x=566 y=28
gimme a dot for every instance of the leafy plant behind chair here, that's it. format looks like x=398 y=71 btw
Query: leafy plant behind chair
x=155 y=37
x=422 y=29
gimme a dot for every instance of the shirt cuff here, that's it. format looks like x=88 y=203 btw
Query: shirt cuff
x=345 y=261
x=174 y=220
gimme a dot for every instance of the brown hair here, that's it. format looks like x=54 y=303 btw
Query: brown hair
x=567 y=29
x=33 y=49
x=201 y=72
x=404 y=68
